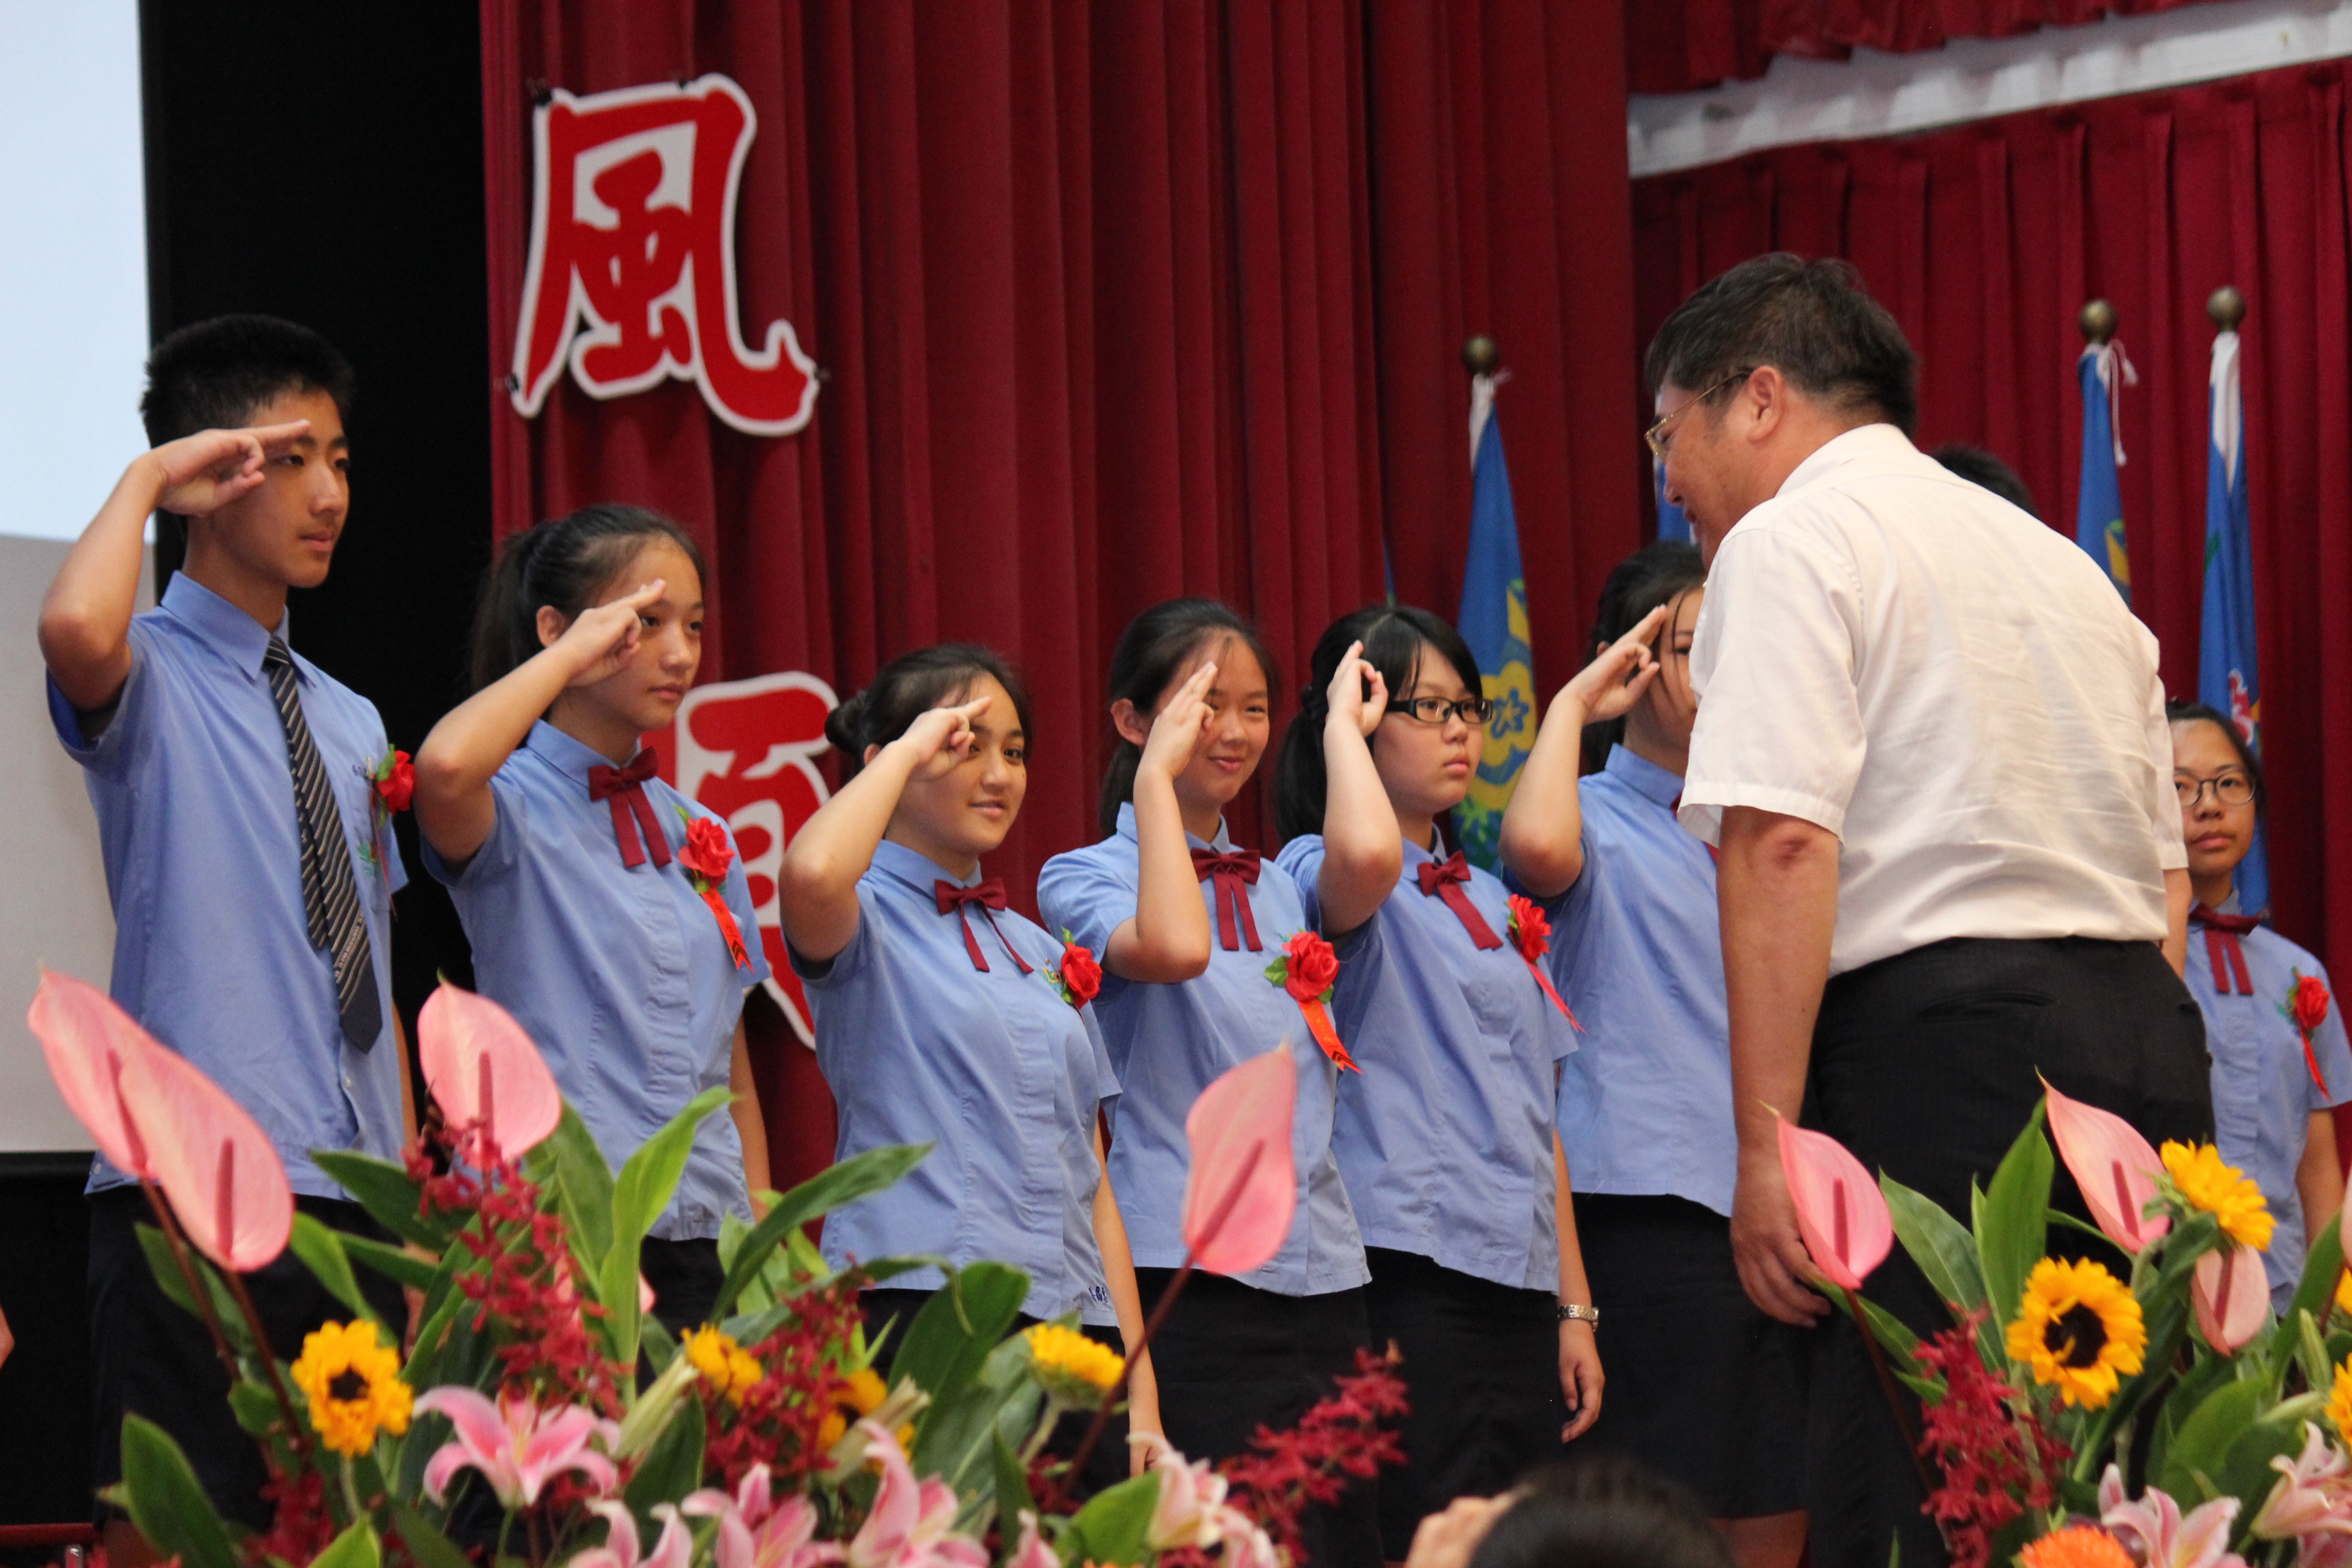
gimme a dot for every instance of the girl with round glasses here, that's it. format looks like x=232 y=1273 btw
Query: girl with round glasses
x=1444 y=1134
x=2279 y=1060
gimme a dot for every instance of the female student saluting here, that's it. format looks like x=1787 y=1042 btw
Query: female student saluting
x=584 y=882
x=1445 y=1137
x=939 y=1017
x=1187 y=922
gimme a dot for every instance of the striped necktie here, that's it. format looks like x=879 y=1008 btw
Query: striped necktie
x=330 y=894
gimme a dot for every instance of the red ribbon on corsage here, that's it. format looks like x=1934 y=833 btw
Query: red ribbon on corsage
x=1532 y=934
x=1307 y=969
x=705 y=855
x=1075 y=973
x=2307 y=1008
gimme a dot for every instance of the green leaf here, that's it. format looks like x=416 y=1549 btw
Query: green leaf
x=575 y=1168
x=1940 y=1244
x=647 y=1179
x=425 y=1542
x=951 y=1338
x=672 y=1467
x=2012 y=1234
x=1013 y=1499
x=393 y=1262
x=1114 y=1526
x=255 y=1408
x=2201 y=1445
x=2322 y=1269
x=174 y=1284
x=659 y=1347
x=957 y=1439
x=392 y=1198
x=167 y=1502
x=354 y=1548
x=321 y=1251
x=829 y=1189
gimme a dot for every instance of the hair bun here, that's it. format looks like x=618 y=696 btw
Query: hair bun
x=843 y=725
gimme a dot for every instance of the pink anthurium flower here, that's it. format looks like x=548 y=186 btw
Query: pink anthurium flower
x=912 y=1523
x=1840 y=1213
x=2231 y=1296
x=85 y=1038
x=675 y=1550
x=516 y=1444
x=1242 y=1188
x=224 y=1177
x=755 y=1531
x=2112 y=1164
x=2165 y=1538
x=482 y=1067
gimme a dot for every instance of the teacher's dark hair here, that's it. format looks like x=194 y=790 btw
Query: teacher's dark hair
x=912 y=685
x=1606 y=1513
x=1811 y=320
x=1393 y=637
x=2180 y=712
x=1661 y=573
x=1156 y=645
x=566 y=563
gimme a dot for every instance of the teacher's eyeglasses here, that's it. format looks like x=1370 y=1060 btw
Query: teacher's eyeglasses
x=1657 y=434
x=1472 y=710
x=2230 y=789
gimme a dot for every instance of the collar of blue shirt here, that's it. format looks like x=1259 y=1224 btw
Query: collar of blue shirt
x=917 y=869
x=1222 y=842
x=1641 y=774
x=565 y=754
x=225 y=628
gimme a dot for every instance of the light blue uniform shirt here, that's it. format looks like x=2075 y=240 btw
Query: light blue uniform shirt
x=204 y=866
x=620 y=974
x=1637 y=952
x=996 y=1070
x=1168 y=1042
x=1445 y=1138
x=2263 y=1094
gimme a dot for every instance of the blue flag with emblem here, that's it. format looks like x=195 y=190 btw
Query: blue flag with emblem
x=2099 y=514
x=1493 y=622
x=2227 y=677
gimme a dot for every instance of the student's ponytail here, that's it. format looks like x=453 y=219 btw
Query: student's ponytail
x=912 y=685
x=1393 y=637
x=564 y=563
x=1156 y=646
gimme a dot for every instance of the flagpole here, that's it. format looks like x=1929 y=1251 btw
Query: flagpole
x=2098 y=324
x=2225 y=308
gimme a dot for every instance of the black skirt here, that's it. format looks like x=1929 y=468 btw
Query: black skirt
x=1482 y=1376
x=1703 y=1386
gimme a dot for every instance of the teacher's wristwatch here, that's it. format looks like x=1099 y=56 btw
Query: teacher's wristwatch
x=1571 y=1312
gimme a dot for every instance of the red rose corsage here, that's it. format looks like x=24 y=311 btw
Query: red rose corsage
x=2307 y=1008
x=1075 y=974
x=1532 y=934
x=1307 y=969
x=391 y=782
x=706 y=855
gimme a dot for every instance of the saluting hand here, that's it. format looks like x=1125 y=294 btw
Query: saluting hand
x=1349 y=697
x=1609 y=687
x=1176 y=732
x=202 y=473
x=601 y=640
x=939 y=739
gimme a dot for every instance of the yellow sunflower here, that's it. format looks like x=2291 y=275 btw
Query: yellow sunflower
x=2339 y=1402
x=352 y=1385
x=860 y=1394
x=2344 y=1291
x=2078 y=1330
x=1075 y=1370
x=2077 y=1546
x=724 y=1364
x=2222 y=1190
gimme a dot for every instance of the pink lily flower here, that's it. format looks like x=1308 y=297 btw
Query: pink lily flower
x=1032 y=1553
x=482 y=1067
x=2312 y=1497
x=913 y=1524
x=1246 y=1544
x=2166 y=1540
x=675 y=1550
x=2112 y=1164
x=1191 y=1505
x=756 y=1531
x=1840 y=1213
x=1242 y=1188
x=2231 y=1295
x=517 y=1446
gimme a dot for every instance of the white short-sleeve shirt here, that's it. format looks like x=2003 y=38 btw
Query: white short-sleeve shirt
x=1953 y=689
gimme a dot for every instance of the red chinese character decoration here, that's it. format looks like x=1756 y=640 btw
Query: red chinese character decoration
x=632 y=274
x=746 y=748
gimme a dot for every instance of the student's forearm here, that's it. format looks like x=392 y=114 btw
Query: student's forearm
x=85 y=626
x=407 y=1079
x=2319 y=1178
x=816 y=883
x=1126 y=1299
x=1168 y=940
x=1543 y=828
x=2178 y=895
x=750 y=1122
x=1777 y=887
x=1574 y=1287
x=1363 y=848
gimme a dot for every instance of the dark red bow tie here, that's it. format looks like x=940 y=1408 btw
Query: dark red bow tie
x=1444 y=880
x=1230 y=874
x=2223 y=952
x=624 y=788
x=990 y=897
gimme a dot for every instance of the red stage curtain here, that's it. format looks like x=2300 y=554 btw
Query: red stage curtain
x=1986 y=240
x=1114 y=303
x=1674 y=46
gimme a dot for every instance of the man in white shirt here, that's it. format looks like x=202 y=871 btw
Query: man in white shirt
x=1933 y=756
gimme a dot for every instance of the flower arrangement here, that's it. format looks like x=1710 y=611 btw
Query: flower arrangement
x=541 y=1415
x=2145 y=1347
